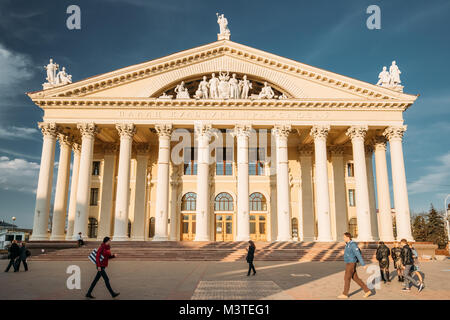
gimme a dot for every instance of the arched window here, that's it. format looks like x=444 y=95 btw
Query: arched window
x=189 y=202
x=92 y=228
x=257 y=202
x=223 y=202
x=151 y=229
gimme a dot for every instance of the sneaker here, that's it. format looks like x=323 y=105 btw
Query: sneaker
x=421 y=287
x=342 y=296
x=90 y=296
x=406 y=289
x=115 y=294
x=367 y=294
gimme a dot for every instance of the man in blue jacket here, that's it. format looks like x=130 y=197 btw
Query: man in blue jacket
x=352 y=255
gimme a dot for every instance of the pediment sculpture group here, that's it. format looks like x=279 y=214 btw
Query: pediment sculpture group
x=224 y=87
x=54 y=77
x=391 y=78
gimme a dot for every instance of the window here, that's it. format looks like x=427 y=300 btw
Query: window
x=257 y=202
x=151 y=229
x=190 y=161
x=351 y=197
x=224 y=161
x=92 y=228
x=9 y=237
x=350 y=169
x=94 y=196
x=256 y=157
x=353 y=227
x=189 y=202
x=223 y=202
x=19 y=237
x=294 y=228
x=96 y=168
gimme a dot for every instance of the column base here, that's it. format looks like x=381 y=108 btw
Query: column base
x=39 y=237
x=137 y=239
x=364 y=239
x=68 y=238
x=201 y=238
x=57 y=238
x=120 y=238
x=324 y=240
x=242 y=238
x=283 y=239
x=160 y=238
x=387 y=239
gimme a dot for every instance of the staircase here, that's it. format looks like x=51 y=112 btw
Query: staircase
x=198 y=251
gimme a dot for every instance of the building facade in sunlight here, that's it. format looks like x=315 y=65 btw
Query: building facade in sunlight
x=222 y=142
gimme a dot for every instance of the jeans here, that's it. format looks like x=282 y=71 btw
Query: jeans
x=251 y=267
x=350 y=273
x=12 y=262
x=25 y=265
x=408 y=278
x=102 y=274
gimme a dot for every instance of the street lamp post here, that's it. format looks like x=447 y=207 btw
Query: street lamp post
x=13 y=220
x=447 y=210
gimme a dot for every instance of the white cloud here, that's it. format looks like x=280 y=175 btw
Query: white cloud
x=18 y=175
x=436 y=178
x=14 y=68
x=13 y=133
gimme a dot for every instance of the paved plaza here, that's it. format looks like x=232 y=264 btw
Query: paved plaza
x=212 y=280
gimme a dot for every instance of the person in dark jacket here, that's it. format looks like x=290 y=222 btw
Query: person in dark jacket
x=396 y=254
x=250 y=257
x=105 y=251
x=408 y=262
x=13 y=253
x=382 y=255
x=23 y=255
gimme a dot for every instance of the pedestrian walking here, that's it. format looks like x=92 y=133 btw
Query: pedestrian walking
x=352 y=255
x=13 y=253
x=396 y=254
x=103 y=255
x=250 y=256
x=382 y=256
x=24 y=253
x=416 y=270
x=408 y=263
x=80 y=240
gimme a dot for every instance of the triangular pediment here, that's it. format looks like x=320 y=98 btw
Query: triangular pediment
x=149 y=79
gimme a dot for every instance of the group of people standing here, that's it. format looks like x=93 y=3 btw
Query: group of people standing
x=16 y=255
x=405 y=259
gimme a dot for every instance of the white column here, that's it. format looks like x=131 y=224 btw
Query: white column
x=44 y=188
x=307 y=225
x=402 y=214
x=73 y=190
x=340 y=205
x=106 y=197
x=174 y=183
x=357 y=135
x=384 y=200
x=320 y=133
x=242 y=133
x=126 y=132
x=281 y=133
x=88 y=132
x=138 y=226
x=162 y=185
x=371 y=188
x=203 y=136
x=62 y=188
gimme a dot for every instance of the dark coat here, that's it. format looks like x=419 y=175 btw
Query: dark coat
x=407 y=256
x=250 y=254
x=396 y=253
x=23 y=253
x=383 y=252
x=14 y=251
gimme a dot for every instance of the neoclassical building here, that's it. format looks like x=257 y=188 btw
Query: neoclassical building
x=222 y=142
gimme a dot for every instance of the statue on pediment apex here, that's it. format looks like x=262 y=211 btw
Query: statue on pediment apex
x=223 y=25
x=395 y=74
x=384 y=78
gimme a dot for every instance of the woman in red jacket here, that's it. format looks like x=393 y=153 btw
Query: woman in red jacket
x=105 y=251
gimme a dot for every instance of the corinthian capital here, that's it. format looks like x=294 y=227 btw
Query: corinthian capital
x=379 y=142
x=49 y=129
x=203 y=129
x=320 y=131
x=88 y=129
x=164 y=129
x=76 y=147
x=65 y=140
x=126 y=130
x=281 y=131
x=242 y=130
x=357 y=132
x=394 y=133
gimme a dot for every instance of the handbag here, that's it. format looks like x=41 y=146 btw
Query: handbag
x=93 y=257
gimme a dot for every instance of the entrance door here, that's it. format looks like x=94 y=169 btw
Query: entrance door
x=224 y=227
x=187 y=227
x=258 y=227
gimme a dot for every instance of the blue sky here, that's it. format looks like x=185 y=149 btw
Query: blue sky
x=328 y=34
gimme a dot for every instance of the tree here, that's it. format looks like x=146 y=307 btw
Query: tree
x=435 y=226
x=420 y=228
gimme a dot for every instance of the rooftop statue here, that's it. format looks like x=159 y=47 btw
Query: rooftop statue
x=395 y=74
x=390 y=79
x=384 y=78
x=54 y=77
x=223 y=24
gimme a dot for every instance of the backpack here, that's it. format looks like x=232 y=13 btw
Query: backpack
x=93 y=257
x=28 y=253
